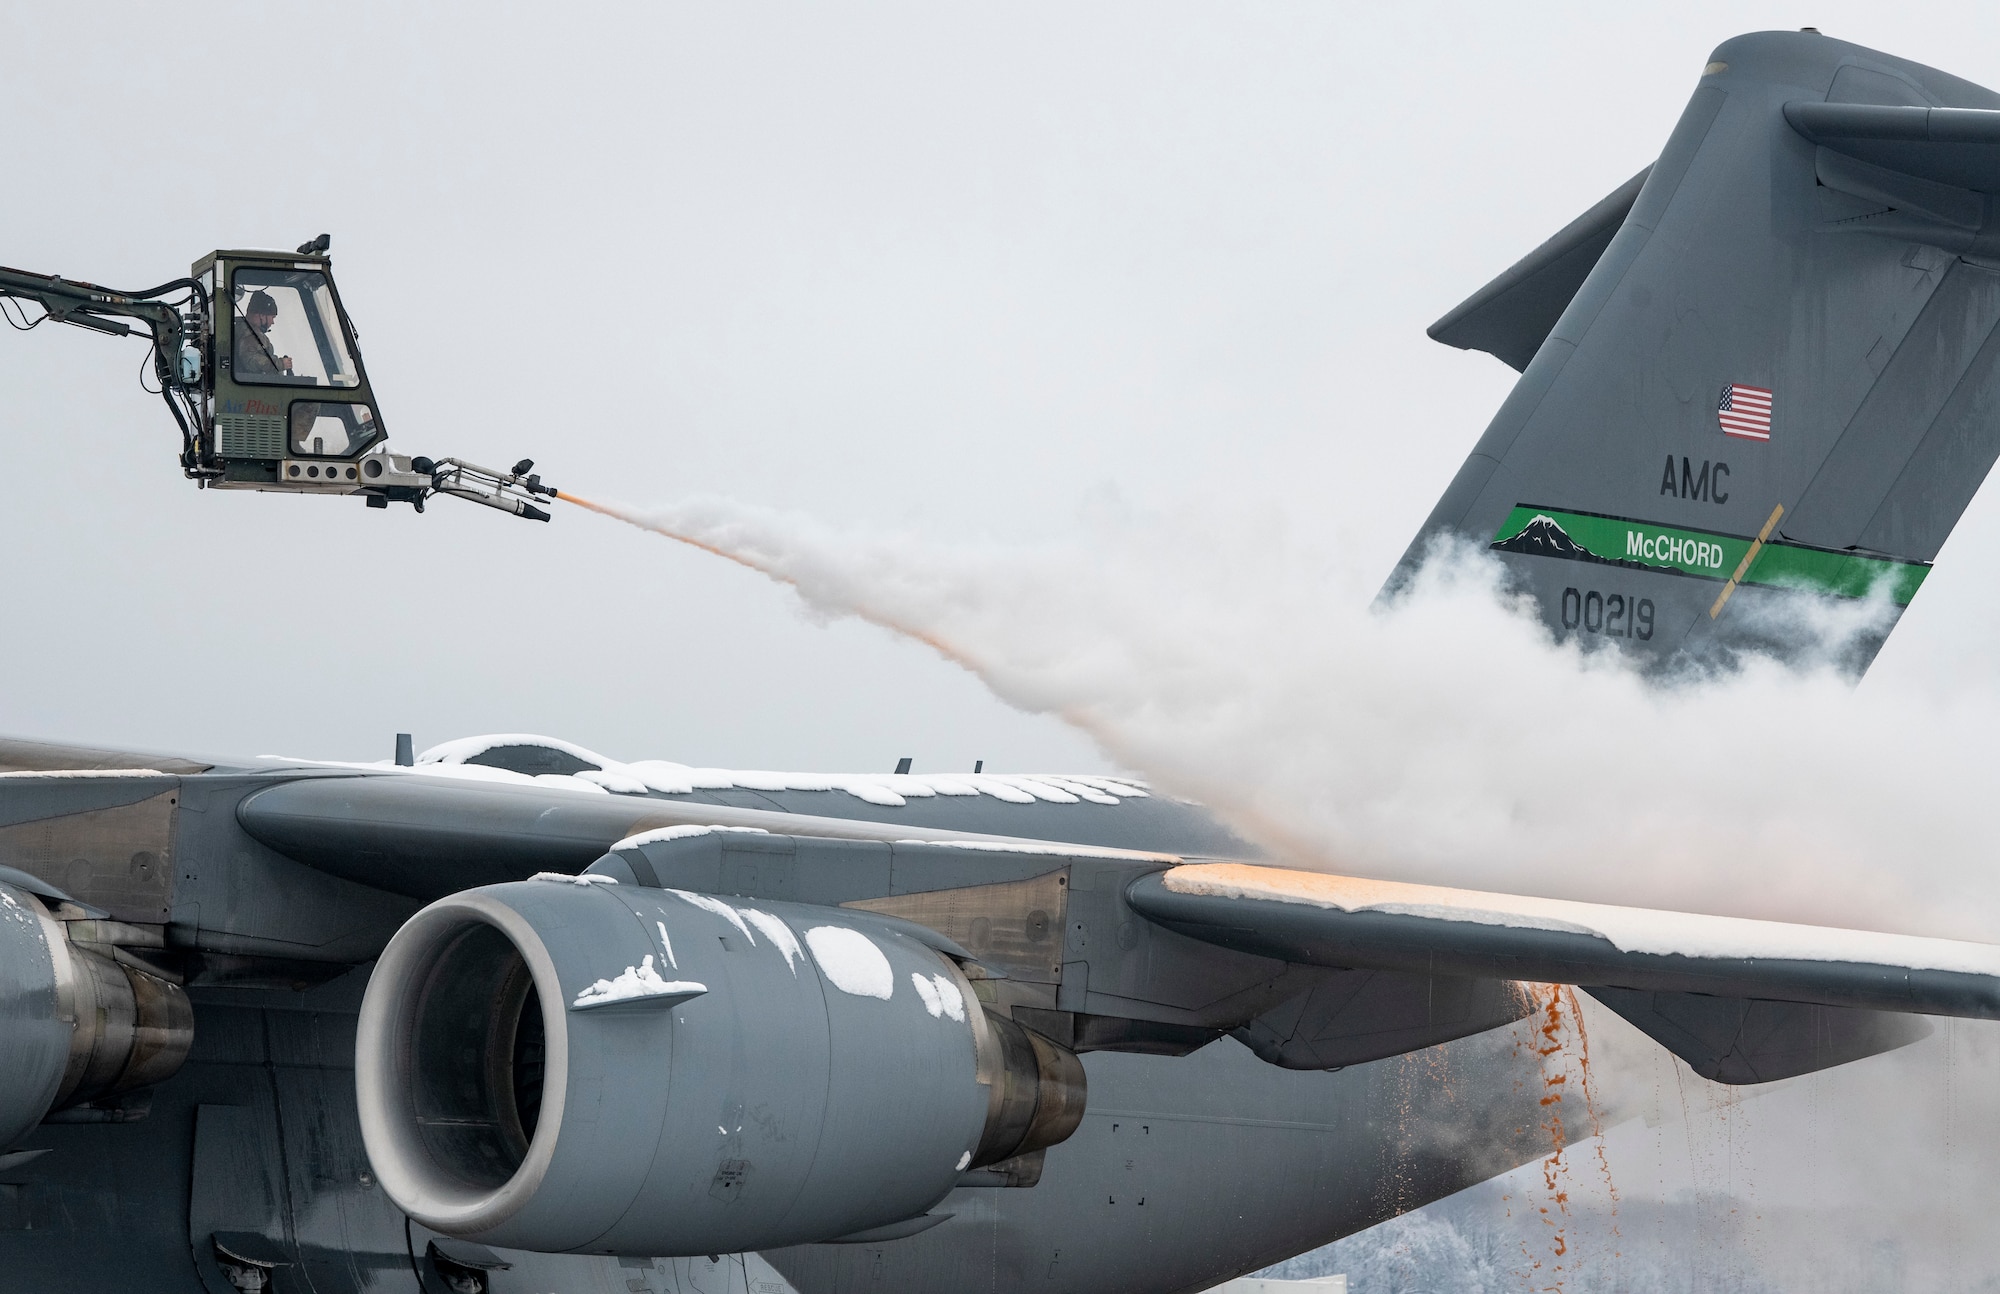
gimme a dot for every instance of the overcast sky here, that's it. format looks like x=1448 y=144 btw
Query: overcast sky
x=972 y=273
x=968 y=272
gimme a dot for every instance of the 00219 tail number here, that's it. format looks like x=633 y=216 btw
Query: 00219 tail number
x=1611 y=614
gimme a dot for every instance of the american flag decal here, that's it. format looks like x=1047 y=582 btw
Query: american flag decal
x=1745 y=411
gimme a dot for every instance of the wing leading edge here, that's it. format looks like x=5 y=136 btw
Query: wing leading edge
x=1742 y=1001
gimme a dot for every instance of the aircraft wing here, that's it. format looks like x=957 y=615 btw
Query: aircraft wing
x=570 y=982
x=1741 y=1000
x=1323 y=920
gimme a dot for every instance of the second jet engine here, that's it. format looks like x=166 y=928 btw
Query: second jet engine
x=573 y=1065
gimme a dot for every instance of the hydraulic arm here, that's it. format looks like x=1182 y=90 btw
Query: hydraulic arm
x=257 y=359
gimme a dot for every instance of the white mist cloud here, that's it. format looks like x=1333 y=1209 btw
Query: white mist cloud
x=1447 y=740
x=1451 y=741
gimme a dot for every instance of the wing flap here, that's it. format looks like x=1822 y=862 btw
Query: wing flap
x=1320 y=920
x=1351 y=1017
x=1744 y=1040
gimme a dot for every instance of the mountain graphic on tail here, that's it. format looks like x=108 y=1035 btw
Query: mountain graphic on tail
x=1542 y=537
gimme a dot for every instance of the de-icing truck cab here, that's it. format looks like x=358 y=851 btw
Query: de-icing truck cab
x=257 y=359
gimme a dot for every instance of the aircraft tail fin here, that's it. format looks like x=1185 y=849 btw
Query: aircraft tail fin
x=1768 y=365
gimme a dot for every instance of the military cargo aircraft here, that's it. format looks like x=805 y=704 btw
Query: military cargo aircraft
x=512 y=1016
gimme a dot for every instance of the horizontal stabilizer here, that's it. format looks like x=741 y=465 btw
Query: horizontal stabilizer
x=1955 y=146
x=1513 y=315
x=1319 y=920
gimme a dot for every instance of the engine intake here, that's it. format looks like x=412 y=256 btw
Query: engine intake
x=590 y=1067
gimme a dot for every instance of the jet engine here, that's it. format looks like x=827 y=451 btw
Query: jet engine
x=76 y=1024
x=574 y=1065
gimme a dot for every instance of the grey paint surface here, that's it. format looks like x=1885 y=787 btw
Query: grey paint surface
x=31 y=1064
x=1743 y=261
x=1188 y=1168
x=1300 y=1158
x=750 y=1113
x=265 y=1108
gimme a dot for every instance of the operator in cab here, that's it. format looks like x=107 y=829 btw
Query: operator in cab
x=254 y=354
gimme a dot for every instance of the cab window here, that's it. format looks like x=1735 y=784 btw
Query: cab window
x=288 y=331
x=323 y=429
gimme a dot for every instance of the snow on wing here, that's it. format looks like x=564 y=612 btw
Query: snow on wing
x=1317 y=919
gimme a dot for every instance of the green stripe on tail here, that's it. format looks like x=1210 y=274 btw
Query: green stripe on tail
x=1644 y=545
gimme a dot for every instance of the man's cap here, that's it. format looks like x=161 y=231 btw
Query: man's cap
x=261 y=304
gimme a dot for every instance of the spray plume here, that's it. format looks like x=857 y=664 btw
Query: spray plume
x=1446 y=739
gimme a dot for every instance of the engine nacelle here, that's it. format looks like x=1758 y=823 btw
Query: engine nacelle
x=75 y=1024
x=569 y=1066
